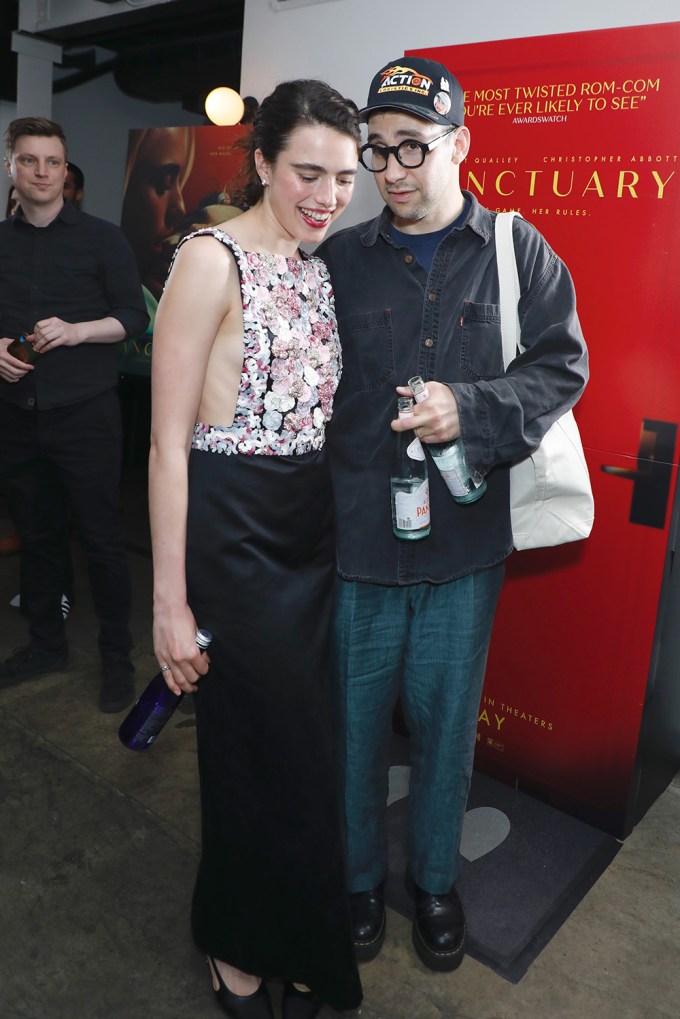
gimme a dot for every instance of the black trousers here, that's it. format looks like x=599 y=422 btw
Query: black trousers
x=53 y=461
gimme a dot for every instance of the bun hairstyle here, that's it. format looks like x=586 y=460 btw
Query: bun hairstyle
x=292 y=104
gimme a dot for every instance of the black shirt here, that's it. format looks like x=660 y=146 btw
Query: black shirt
x=79 y=269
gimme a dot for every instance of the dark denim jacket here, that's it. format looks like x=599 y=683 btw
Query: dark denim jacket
x=396 y=321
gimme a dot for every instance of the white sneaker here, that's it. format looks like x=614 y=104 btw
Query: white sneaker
x=16 y=601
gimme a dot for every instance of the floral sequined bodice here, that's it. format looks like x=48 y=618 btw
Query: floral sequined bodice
x=291 y=360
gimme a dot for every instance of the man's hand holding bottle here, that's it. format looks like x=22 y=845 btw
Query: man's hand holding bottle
x=16 y=357
x=435 y=417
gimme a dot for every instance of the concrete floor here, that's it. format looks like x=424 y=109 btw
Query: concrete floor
x=98 y=850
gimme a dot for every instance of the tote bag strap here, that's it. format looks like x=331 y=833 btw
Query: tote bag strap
x=508 y=280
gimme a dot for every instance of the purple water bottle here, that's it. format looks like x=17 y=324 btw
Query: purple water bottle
x=153 y=709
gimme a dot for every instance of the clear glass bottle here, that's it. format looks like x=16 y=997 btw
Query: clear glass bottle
x=154 y=707
x=408 y=482
x=450 y=457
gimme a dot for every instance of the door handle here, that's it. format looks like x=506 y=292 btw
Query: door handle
x=652 y=476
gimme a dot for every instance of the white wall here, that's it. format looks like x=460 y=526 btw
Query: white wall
x=96 y=118
x=345 y=42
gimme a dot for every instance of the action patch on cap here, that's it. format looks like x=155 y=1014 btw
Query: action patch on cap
x=404 y=79
x=400 y=78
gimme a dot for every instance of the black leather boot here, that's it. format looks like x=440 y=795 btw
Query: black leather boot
x=439 y=931
x=368 y=922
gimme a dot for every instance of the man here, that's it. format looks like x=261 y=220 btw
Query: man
x=69 y=283
x=416 y=293
x=10 y=544
x=74 y=192
x=74 y=185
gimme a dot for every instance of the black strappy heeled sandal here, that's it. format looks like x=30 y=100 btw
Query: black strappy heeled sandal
x=240 y=1006
x=299 y=1004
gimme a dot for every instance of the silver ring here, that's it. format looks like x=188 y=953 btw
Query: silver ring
x=165 y=668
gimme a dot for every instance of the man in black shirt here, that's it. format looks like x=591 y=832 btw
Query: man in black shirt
x=68 y=282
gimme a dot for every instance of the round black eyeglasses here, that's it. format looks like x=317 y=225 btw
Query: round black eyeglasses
x=409 y=153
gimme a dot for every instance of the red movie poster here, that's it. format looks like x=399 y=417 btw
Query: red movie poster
x=580 y=133
x=177 y=179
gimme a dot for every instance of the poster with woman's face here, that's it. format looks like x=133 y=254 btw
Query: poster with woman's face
x=177 y=180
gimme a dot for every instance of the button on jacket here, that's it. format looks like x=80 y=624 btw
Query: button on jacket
x=395 y=321
x=77 y=268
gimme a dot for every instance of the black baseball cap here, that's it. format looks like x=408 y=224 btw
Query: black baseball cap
x=418 y=86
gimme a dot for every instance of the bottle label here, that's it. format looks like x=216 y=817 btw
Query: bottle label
x=412 y=509
x=453 y=472
x=415 y=450
x=419 y=389
x=154 y=722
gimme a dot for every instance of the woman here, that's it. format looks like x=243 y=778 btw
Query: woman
x=245 y=366
x=159 y=162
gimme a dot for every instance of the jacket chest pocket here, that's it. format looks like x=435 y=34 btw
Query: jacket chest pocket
x=367 y=343
x=481 y=345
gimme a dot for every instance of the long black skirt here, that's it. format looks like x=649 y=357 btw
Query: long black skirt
x=270 y=895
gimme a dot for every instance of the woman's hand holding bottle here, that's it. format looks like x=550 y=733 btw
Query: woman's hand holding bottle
x=174 y=640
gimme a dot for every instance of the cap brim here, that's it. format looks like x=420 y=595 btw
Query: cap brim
x=414 y=111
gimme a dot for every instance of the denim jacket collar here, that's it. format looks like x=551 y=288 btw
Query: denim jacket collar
x=479 y=219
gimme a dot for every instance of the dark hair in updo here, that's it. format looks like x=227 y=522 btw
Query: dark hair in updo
x=292 y=104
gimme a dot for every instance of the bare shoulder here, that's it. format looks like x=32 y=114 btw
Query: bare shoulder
x=201 y=251
x=202 y=265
